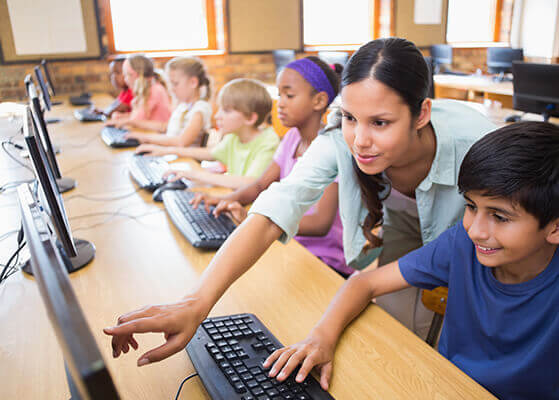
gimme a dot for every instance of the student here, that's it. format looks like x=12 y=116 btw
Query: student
x=151 y=100
x=500 y=265
x=192 y=116
x=306 y=89
x=245 y=150
x=122 y=103
x=394 y=137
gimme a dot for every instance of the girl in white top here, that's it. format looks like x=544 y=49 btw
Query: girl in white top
x=192 y=116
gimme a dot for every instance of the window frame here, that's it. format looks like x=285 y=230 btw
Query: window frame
x=211 y=26
x=497 y=11
x=374 y=30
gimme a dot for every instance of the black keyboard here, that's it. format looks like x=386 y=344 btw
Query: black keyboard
x=87 y=115
x=114 y=137
x=198 y=227
x=147 y=171
x=238 y=345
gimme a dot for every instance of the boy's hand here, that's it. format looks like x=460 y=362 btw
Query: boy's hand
x=135 y=135
x=177 y=321
x=311 y=352
x=151 y=149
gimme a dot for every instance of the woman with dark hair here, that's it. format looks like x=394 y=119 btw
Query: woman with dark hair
x=396 y=158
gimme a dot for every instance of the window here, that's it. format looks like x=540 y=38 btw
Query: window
x=145 y=25
x=332 y=22
x=478 y=21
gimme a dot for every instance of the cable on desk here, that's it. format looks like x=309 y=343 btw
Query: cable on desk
x=91 y=162
x=4 y=144
x=91 y=198
x=111 y=214
x=6 y=235
x=84 y=144
x=8 y=268
x=14 y=184
x=185 y=379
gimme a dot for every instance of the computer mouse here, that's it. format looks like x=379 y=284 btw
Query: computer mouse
x=177 y=185
x=513 y=118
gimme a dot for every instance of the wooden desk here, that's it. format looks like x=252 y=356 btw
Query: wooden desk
x=146 y=261
x=498 y=115
x=472 y=88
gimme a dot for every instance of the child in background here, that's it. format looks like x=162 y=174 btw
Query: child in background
x=122 y=104
x=246 y=148
x=306 y=89
x=192 y=116
x=500 y=264
x=151 y=101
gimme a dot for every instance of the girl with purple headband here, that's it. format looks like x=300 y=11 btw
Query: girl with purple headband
x=306 y=88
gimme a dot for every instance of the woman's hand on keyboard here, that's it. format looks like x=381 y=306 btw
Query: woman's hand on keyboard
x=314 y=351
x=177 y=321
x=233 y=208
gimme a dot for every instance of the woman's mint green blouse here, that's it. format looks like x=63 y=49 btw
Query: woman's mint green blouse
x=439 y=204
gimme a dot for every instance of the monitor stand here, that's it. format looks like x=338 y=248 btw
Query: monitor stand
x=74 y=393
x=65 y=184
x=52 y=120
x=85 y=252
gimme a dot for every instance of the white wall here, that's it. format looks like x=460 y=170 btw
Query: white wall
x=536 y=27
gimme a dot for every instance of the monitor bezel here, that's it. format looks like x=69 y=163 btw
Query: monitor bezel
x=47 y=182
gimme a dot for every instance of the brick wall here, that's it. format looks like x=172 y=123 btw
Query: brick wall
x=74 y=77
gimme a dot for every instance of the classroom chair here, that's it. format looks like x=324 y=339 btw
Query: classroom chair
x=435 y=300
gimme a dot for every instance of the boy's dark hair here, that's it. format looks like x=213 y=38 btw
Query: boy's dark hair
x=519 y=162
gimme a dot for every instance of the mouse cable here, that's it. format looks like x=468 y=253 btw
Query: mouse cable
x=113 y=198
x=185 y=379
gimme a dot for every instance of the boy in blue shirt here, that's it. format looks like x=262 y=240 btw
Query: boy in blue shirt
x=500 y=265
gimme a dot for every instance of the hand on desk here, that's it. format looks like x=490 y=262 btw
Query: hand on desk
x=314 y=351
x=232 y=208
x=178 y=321
x=118 y=119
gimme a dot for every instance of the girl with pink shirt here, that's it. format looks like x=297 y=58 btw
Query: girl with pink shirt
x=151 y=99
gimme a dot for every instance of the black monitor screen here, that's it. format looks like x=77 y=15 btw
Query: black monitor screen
x=44 y=89
x=41 y=128
x=48 y=77
x=88 y=376
x=47 y=183
x=499 y=59
x=536 y=88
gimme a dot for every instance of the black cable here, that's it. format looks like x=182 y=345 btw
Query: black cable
x=185 y=379
x=8 y=267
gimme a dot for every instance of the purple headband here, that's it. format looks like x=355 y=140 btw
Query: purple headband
x=314 y=75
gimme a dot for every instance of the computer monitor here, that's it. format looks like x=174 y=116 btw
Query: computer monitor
x=48 y=77
x=442 y=56
x=86 y=371
x=499 y=60
x=282 y=57
x=44 y=88
x=536 y=88
x=429 y=62
x=78 y=252
x=64 y=184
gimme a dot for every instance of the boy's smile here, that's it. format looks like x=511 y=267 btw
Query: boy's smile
x=508 y=238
